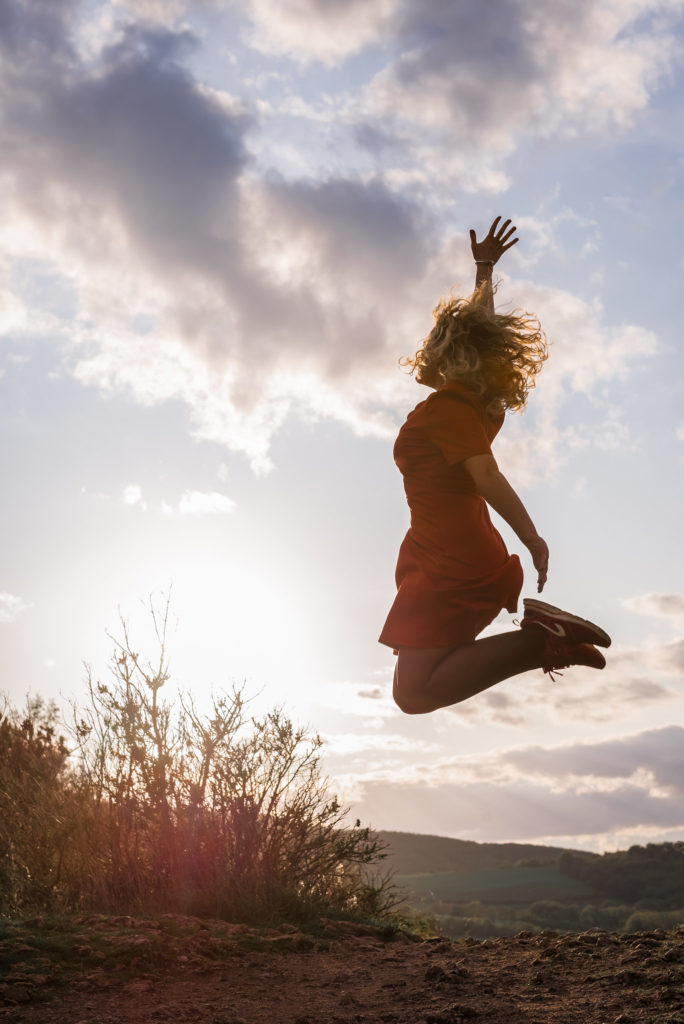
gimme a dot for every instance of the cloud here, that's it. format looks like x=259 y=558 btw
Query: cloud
x=657 y=756
x=585 y=356
x=14 y=316
x=139 y=197
x=196 y=276
x=520 y=812
x=453 y=94
x=199 y=503
x=594 y=790
x=302 y=30
x=155 y=10
x=663 y=606
x=372 y=693
x=317 y=29
x=348 y=744
x=124 y=171
x=577 y=62
x=667 y=658
x=349 y=699
x=11 y=607
x=673 y=657
x=473 y=87
x=133 y=495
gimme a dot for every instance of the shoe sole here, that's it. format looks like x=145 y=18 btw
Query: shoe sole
x=531 y=605
x=599 y=661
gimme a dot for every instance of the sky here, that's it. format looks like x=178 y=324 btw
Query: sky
x=222 y=223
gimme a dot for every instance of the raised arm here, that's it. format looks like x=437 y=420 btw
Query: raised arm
x=487 y=252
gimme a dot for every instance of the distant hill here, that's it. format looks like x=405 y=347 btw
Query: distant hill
x=453 y=891
x=494 y=889
x=409 y=853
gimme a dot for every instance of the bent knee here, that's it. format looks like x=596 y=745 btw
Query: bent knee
x=411 y=681
x=411 y=698
x=411 y=706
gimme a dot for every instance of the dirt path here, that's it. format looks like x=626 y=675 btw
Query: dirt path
x=592 y=978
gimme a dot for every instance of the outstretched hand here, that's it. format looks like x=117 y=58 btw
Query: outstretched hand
x=493 y=246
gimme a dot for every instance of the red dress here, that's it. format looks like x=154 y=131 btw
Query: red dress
x=454 y=574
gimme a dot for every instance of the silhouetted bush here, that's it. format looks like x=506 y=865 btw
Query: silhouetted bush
x=164 y=807
x=39 y=806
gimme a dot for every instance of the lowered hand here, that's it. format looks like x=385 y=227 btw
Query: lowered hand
x=539 y=550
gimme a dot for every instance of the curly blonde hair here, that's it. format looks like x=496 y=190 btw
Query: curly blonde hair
x=497 y=355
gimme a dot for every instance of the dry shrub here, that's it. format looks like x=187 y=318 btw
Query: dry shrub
x=166 y=808
x=39 y=807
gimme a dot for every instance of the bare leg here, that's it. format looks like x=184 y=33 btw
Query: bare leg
x=426 y=679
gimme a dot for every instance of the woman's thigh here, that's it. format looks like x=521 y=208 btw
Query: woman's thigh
x=414 y=667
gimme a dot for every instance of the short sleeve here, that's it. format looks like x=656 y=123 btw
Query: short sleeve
x=455 y=427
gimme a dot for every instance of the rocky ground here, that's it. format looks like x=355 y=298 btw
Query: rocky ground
x=121 y=970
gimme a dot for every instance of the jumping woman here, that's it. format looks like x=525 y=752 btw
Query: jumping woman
x=454 y=574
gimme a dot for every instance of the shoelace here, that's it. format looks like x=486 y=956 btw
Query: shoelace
x=547 y=667
x=552 y=673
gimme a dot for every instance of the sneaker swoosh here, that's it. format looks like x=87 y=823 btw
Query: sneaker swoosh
x=555 y=627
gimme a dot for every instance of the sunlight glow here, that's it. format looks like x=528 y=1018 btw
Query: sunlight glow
x=243 y=625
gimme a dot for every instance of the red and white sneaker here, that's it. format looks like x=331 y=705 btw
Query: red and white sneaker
x=566 y=630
